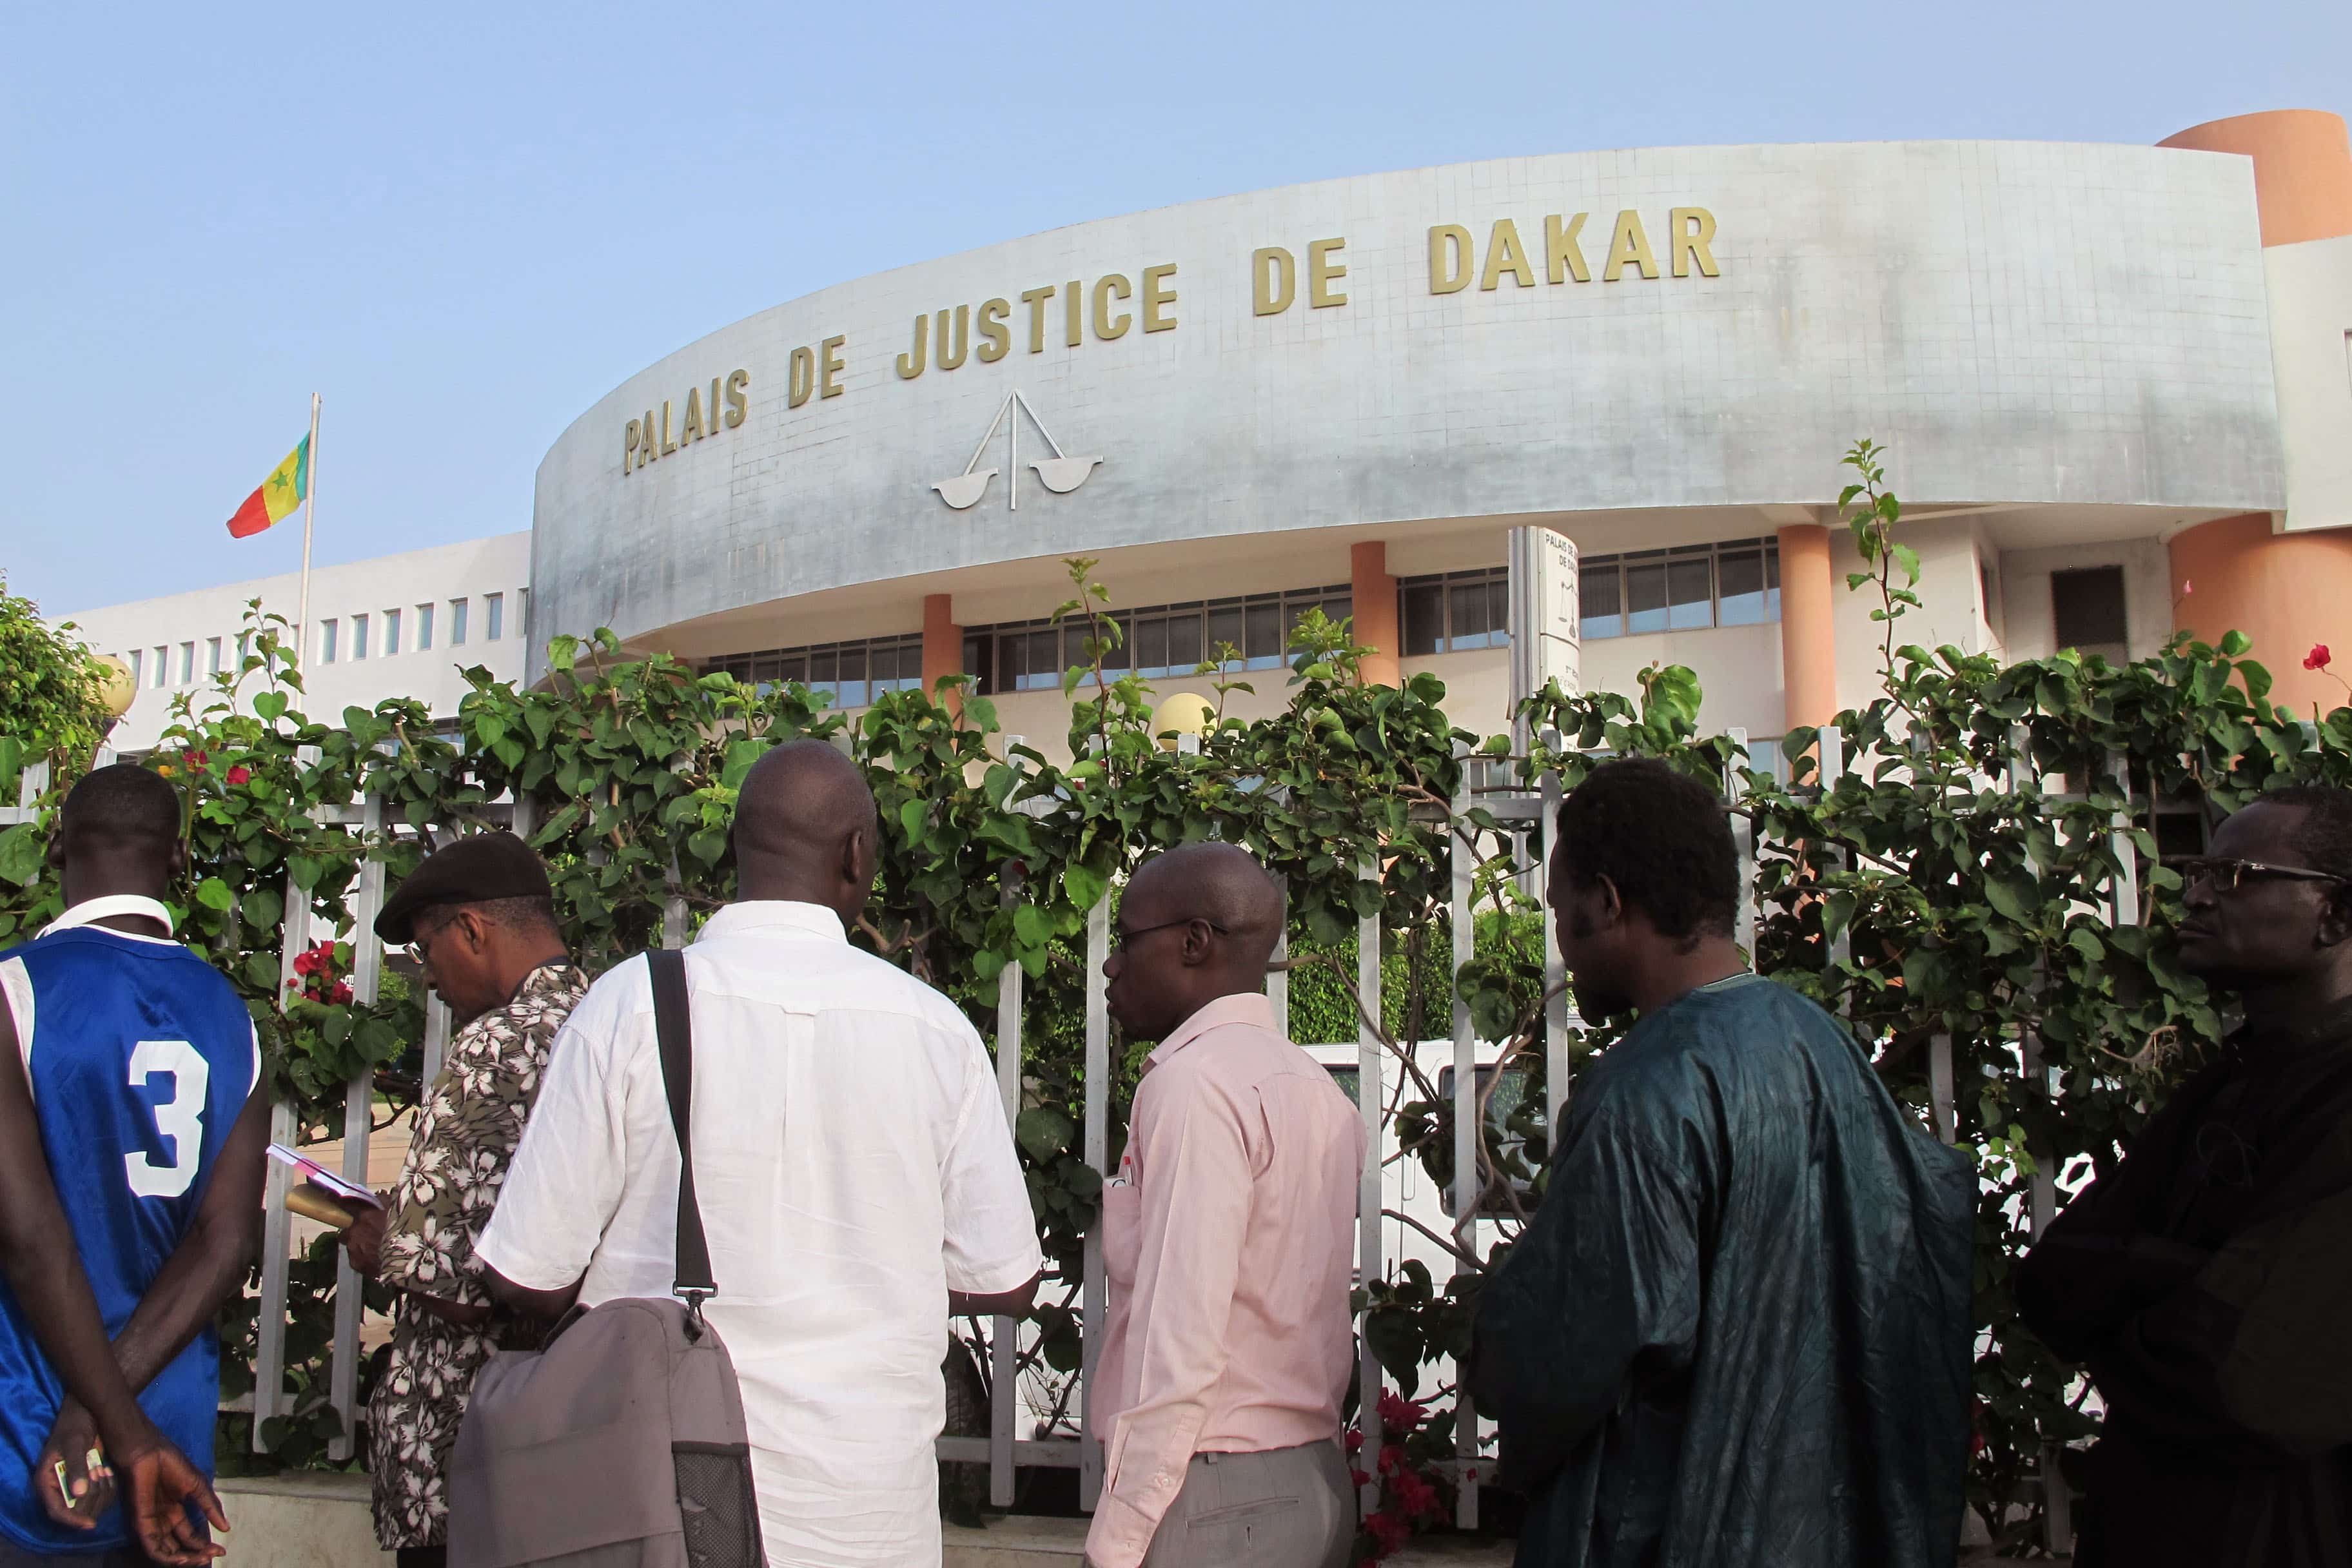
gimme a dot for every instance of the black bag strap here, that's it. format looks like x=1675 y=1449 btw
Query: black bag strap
x=674 y=1031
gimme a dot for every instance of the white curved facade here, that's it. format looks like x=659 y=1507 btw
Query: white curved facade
x=2024 y=324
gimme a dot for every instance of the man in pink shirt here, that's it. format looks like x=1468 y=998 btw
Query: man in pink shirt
x=1228 y=1237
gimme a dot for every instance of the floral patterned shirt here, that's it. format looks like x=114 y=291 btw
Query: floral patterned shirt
x=467 y=1130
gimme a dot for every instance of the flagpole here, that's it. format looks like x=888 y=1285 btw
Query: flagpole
x=310 y=511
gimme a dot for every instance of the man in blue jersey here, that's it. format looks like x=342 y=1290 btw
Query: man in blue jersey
x=132 y=1131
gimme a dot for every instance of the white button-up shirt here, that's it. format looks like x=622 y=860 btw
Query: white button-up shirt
x=854 y=1166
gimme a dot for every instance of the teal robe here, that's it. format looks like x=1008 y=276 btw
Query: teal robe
x=1738 y=1329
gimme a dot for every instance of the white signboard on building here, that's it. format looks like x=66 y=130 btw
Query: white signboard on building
x=1543 y=613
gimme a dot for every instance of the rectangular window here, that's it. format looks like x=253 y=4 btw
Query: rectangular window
x=424 y=627
x=187 y=663
x=1599 y=601
x=359 y=637
x=849 y=689
x=2086 y=612
x=390 y=633
x=1645 y=596
x=457 y=622
x=244 y=650
x=162 y=670
x=1184 y=650
x=1423 y=610
x=524 y=604
x=1739 y=578
x=1690 y=593
x=212 y=655
x=1262 y=625
x=137 y=660
x=1225 y=628
x=493 y=616
x=326 y=642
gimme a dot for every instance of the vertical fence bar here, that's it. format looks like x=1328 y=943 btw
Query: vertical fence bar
x=1743 y=839
x=1278 y=978
x=437 y=1039
x=1098 y=1150
x=1940 y=1087
x=1469 y=1187
x=269 y=1310
x=2024 y=779
x=2127 y=893
x=1371 y=1095
x=359 y=1124
x=1556 y=1063
x=673 y=908
x=1833 y=744
x=1003 y=1334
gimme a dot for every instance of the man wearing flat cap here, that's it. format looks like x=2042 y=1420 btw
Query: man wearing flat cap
x=481 y=917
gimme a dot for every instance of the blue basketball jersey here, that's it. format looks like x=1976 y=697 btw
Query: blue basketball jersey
x=139 y=1054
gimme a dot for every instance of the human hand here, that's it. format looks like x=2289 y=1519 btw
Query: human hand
x=158 y=1484
x=72 y=1477
x=365 y=1242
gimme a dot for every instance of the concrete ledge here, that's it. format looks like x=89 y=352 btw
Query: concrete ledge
x=307 y=1519
x=317 y=1518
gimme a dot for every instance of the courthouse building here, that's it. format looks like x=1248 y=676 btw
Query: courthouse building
x=2114 y=384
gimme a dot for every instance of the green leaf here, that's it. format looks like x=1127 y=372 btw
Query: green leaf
x=1085 y=887
x=1029 y=925
x=1043 y=1132
x=21 y=854
x=2234 y=644
x=270 y=705
x=214 y=894
x=2082 y=941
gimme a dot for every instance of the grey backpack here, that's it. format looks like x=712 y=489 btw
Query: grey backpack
x=619 y=1443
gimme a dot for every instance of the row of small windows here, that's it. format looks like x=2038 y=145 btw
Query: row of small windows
x=339 y=638
x=1737 y=583
x=1156 y=643
x=855 y=672
x=395 y=631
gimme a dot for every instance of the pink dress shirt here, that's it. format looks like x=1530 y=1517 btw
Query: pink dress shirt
x=1229 y=1242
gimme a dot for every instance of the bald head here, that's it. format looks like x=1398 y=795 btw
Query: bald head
x=1197 y=923
x=1221 y=884
x=804 y=828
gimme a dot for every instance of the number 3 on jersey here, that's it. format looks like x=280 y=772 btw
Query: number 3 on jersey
x=181 y=1119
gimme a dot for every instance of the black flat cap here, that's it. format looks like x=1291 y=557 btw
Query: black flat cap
x=473 y=870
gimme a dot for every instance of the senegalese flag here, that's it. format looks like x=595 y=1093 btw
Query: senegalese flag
x=280 y=494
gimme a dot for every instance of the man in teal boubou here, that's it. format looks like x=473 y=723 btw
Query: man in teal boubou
x=1737 y=1330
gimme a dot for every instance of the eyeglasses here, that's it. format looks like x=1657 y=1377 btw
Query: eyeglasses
x=2226 y=875
x=1119 y=939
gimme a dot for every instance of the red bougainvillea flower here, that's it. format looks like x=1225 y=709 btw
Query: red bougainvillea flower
x=1398 y=1411
x=2317 y=658
x=1392 y=1458
x=240 y=774
x=1388 y=1530
x=1415 y=1496
x=1360 y=1479
x=1355 y=1439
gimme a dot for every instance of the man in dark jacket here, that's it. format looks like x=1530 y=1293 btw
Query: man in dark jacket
x=2206 y=1281
x=1737 y=1330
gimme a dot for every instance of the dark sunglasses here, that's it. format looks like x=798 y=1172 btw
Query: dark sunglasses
x=2226 y=875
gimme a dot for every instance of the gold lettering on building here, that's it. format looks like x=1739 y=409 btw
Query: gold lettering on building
x=1505 y=254
x=1157 y=297
x=1691 y=235
x=995 y=340
x=1449 y=259
x=644 y=440
x=1322 y=272
x=829 y=355
x=1274 y=280
x=1563 y=259
x=800 y=377
x=1108 y=327
x=1629 y=247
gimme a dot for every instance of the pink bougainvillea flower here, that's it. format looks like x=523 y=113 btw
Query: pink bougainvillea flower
x=2317 y=658
x=239 y=774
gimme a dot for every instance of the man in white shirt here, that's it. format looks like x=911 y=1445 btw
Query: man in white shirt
x=856 y=1176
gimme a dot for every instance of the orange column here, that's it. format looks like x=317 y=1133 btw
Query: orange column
x=2285 y=591
x=1374 y=594
x=1808 y=636
x=942 y=640
x=2302 y=169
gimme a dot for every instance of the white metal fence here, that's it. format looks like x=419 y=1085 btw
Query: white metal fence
x=1005 y=1450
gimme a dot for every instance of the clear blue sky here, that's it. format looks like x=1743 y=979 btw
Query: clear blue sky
x=463 y=226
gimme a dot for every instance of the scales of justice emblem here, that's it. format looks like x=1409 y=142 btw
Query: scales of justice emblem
x=1059 y=473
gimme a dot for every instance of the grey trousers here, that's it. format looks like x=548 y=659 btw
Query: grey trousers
x=1288 y=1508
